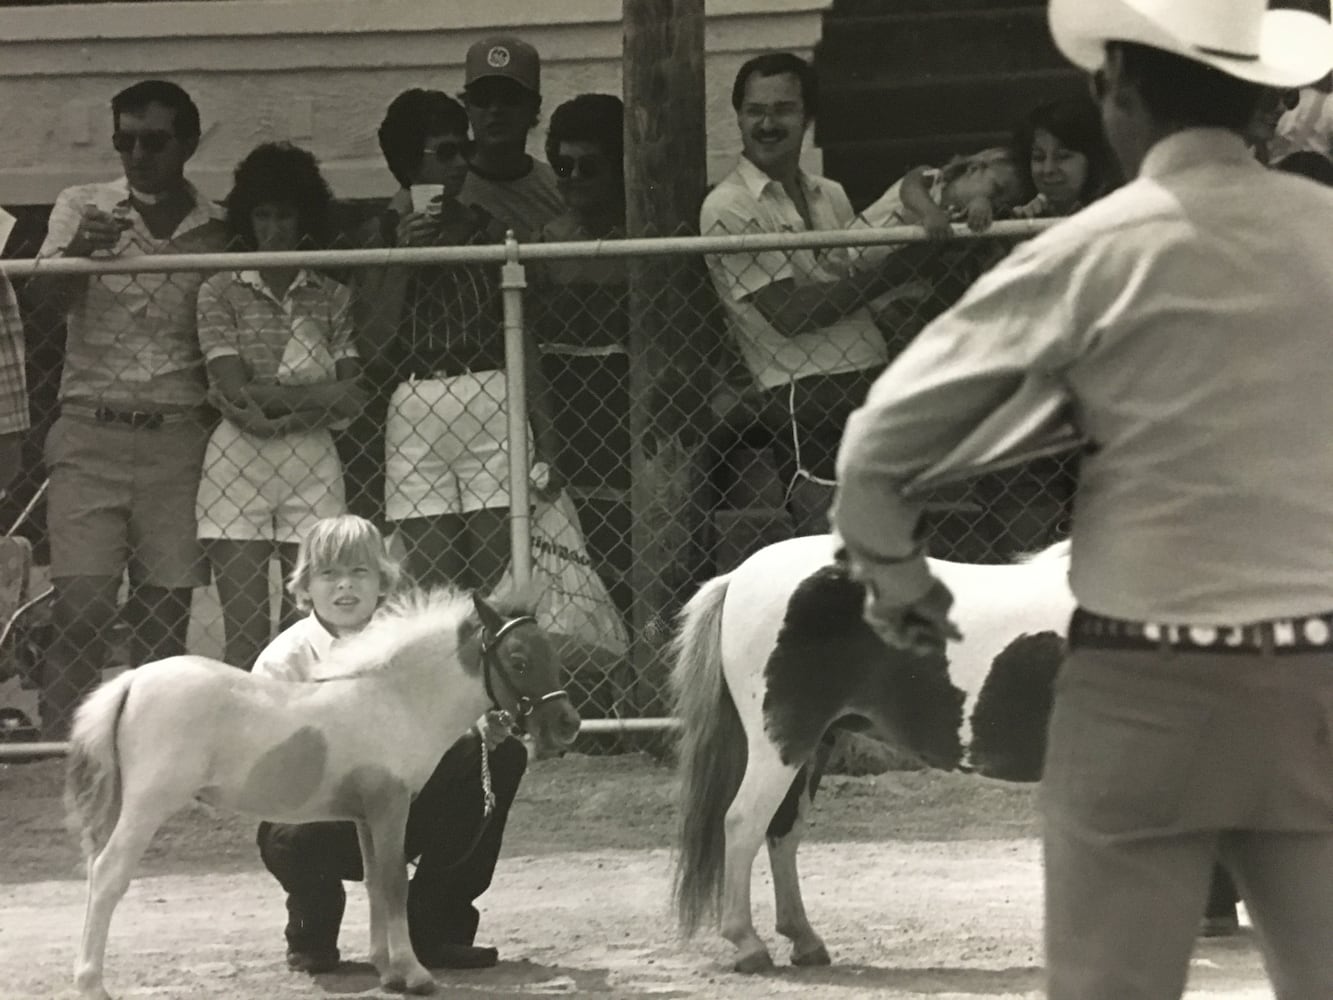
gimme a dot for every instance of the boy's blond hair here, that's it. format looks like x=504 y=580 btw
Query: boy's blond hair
x=339 y=541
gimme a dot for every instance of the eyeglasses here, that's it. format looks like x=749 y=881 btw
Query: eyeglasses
x=448 y=150
x=590 y=166
x=152 y=142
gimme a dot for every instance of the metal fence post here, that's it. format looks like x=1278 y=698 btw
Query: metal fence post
x=513 y=280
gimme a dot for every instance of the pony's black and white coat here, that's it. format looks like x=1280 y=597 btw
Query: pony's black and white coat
x=767 y=659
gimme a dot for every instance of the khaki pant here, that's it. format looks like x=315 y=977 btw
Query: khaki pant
x=1158 y=763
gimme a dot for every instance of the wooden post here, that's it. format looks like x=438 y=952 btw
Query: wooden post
x=665 y=179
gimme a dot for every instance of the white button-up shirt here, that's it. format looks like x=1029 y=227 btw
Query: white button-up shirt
x=748 y=201
x=1190 y=315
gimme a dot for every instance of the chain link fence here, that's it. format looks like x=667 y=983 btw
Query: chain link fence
x=598 y=418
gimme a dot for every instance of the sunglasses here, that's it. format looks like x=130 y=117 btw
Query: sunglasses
x=590 y=167
x=448 y=150
x=152 y=142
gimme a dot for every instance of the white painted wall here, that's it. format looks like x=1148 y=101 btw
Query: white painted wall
x=317 y=72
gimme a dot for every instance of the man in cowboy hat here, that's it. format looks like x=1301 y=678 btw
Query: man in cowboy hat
x=1187 y=318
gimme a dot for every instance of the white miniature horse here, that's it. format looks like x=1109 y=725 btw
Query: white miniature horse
x=773 y=654
x=355 y=745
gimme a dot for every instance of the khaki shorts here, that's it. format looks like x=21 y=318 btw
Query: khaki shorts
x=447 y=446
x=123 y=497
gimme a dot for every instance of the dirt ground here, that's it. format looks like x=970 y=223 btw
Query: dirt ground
x=924 y=885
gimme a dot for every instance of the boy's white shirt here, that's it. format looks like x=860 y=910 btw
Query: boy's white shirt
x=296 y=651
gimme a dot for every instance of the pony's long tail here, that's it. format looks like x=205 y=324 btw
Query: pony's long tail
x=711 y=753
x=92 y=774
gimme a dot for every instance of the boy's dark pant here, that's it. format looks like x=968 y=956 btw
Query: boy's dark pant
x=454 y=864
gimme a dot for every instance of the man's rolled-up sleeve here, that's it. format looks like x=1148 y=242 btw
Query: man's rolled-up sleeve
x=1014 y=320
x=740 y=275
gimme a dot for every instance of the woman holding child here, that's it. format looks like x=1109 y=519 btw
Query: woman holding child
x=277 y=344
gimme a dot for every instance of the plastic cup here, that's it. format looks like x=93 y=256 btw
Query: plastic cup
x=423 y=198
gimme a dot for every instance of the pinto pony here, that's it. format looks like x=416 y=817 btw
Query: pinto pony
x=355 y=745
x=770 y=657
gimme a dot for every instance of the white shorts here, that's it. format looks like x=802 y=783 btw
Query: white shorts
x=446 y=446
x=268 y=489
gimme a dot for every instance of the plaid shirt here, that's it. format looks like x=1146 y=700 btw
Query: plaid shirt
x=13 y=384
x=131 y=340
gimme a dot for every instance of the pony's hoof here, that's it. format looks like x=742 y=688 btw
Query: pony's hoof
x=815 y=956
x=759 y=961
x=90 y=987
x=418 y=981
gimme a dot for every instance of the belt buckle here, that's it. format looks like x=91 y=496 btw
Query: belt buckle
x=135 y=418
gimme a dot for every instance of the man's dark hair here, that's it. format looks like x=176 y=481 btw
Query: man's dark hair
x=594 y=118
x=1186 y=93
x=137 y=97
x=410 y=119
x=778 y=64
x=280 y=173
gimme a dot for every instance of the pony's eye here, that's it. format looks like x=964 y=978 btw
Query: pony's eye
x=519 y=664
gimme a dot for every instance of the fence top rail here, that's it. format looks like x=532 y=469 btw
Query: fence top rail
x=509 y=252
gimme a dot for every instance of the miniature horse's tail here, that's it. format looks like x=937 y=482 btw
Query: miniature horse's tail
x=92 y=776
x=712 y=755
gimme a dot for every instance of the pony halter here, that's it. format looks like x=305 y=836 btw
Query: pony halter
x=491 y=664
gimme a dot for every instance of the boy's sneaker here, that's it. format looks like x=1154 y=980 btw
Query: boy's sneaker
x=313 y=962
x=446 y=955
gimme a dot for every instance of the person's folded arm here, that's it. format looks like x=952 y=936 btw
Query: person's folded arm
x=766 y=278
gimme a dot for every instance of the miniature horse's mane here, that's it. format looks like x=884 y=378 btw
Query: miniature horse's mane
x=443 y=618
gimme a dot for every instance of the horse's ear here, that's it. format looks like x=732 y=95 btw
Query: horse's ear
x=490 y=618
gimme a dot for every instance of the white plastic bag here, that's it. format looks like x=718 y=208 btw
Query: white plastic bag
x=573 y=605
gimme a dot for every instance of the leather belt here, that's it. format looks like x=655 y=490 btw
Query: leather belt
x=146 y=420
x=1304 y=634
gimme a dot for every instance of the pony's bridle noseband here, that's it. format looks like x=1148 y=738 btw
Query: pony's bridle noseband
x=491 y=664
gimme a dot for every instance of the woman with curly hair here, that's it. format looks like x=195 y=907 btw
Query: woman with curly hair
x=277 y=343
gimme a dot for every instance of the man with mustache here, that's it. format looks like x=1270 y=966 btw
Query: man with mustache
x=799 y=317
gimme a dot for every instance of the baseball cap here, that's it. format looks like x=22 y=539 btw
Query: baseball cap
x=503 y=56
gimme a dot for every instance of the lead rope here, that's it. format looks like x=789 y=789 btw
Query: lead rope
x=487 y=792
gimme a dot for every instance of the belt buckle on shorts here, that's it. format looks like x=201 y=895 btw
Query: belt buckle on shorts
x=135 y=418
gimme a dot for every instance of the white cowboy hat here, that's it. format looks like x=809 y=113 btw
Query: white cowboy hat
x=1242 y=38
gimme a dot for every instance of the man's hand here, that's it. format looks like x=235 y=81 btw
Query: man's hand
x=97 y=230
x=922 y=626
